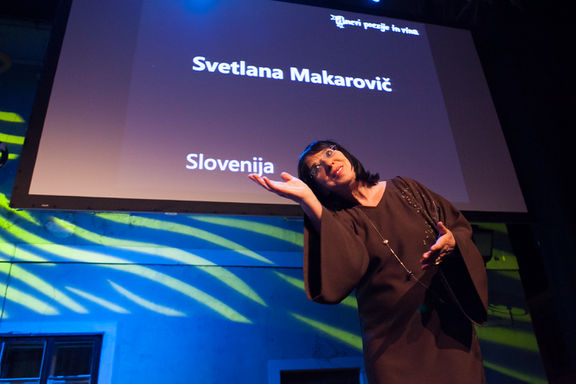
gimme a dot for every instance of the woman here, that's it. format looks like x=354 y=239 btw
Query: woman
x=420 y=282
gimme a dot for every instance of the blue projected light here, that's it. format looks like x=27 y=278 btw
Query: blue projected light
x=201 y=5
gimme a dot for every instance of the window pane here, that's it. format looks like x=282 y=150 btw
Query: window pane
x=72 y=358
x=321 y=376
x=22 y=359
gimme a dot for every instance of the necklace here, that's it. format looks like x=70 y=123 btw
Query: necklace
x=409 y=273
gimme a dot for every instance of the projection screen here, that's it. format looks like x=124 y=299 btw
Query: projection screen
x=151 y=105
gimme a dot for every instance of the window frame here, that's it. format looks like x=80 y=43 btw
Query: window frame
x=276 y=367
x=50 y=342
x=321 y=375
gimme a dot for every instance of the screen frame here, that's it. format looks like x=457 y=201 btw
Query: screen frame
x=22 y=199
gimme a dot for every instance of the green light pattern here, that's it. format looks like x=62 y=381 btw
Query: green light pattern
x=496 y=227
x=10 y=117
x=97 y=300
x=29 y=257
x=296 y=238
x=28 y=301
x=234 y=282
x=527 y=378
x=502 y=260
x=6 y=251
x=18 y=273
x=85 y=256
x=144 y=222
x=505 y=312
x=298 y=283
x=224 y=276
x=11 y=139
x=146 y=303
x=116 y=263
x=4 y=203
x=509 y=337
x=187 y=290
x=26 y=236
x=24 y=255
x=350 y=301
x=346 y=337
x=514 y=275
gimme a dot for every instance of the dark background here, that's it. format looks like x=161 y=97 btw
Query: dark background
x=527 y=51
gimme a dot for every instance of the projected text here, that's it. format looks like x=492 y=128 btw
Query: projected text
x=323 y=77
x=198 y=161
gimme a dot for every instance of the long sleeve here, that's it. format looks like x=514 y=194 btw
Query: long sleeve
x=464 y=272
x=334 y=260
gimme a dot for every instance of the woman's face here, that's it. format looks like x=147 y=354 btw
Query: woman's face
x=331 y=169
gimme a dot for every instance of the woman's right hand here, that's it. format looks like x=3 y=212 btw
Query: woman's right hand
x=290 y=188
x=296 y=190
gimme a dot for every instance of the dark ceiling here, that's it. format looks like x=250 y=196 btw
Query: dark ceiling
x=28 y=10
x=465 y=13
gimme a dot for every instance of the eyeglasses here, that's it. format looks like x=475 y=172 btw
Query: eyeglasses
x=326 y=154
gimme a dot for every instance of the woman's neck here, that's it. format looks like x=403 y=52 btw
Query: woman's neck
x=368 y=195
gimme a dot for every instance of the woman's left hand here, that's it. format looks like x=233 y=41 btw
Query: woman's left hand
x=443 y=246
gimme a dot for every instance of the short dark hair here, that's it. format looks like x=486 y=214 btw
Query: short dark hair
x=330 y=200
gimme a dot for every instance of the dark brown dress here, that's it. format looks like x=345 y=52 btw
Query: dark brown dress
x=414 y=330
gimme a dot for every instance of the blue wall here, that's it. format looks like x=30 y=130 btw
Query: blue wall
x=178 y=298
